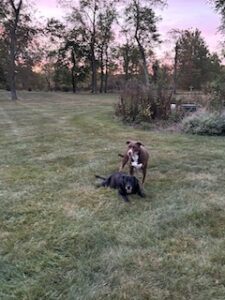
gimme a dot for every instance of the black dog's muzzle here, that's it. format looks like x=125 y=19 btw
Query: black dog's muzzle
x=128 y=188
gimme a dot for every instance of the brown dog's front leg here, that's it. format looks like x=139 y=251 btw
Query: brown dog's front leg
x=144 y=175
x=124 y=162
x=131 y=170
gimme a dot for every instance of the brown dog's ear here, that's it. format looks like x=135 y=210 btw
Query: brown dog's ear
x=139 y=144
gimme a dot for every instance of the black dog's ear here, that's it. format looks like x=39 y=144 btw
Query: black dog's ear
x=139 y=144
x=128 y=142
x=123 y=181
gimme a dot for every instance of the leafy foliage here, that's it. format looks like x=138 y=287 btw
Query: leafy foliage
x=216 y=90
x=141 y=19
x=129 y=57
x=87 y=48
x=17 y=43
x=94 y=20
x=195 y=64
x=205 y=123
x=105 y=36
x=220 y=7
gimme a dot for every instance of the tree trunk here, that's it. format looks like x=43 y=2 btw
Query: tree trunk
x=155 y=69
x=141 y=49
x=106 y=69
x=12 y=75
x=102 y=71
x=74 y=82
x=48 y=82
x=106 y=82
x=12 y=68
x=144 y=62
x=175 y=69
x=126 y=63
x=93 y=60
x=73 y=75
x=94 y=72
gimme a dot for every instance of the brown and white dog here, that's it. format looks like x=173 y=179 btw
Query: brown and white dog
x=137 y=156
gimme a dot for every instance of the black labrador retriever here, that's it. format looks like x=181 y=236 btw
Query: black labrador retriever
x=125 y=184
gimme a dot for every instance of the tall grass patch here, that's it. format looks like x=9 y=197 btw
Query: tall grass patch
x=139 y=103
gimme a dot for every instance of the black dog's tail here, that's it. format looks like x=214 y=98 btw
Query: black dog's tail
x=121 y=155
x=100 y=177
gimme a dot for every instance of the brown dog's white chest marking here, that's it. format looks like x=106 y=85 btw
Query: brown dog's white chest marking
x=134 y=162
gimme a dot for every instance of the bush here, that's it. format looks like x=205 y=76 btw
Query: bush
x=141 y=104
x=205 y=123
x=216 y=95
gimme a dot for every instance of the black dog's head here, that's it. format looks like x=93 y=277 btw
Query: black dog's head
x=129 y=184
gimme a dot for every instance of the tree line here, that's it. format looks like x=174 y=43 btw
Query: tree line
x=99 y=46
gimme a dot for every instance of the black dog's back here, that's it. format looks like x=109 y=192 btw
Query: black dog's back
x=113 y=181
x=125 y=184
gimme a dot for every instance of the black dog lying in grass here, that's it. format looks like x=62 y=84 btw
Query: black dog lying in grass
x=125 y=184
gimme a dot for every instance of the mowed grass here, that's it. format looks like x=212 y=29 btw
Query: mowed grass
x=61 y=238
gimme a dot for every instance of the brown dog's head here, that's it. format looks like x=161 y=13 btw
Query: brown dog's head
x=133 y=148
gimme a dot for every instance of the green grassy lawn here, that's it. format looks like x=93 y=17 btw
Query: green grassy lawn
x=61 y=238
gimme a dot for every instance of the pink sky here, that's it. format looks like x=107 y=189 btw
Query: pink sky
x=191 y=14
x=179 y=14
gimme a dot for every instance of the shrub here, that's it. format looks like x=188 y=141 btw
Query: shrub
x=141 y=104
x=205 y=123
x=216 y=95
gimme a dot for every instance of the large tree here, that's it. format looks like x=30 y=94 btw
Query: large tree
x=84 y=18
x=13 y=25
x=55 y=65
x=128 y=55
x=69 y=53
x=78 y=54
x=141 y=20
x=93 y=20
x=16 y=35
x=193 y=60
x=105 y=36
